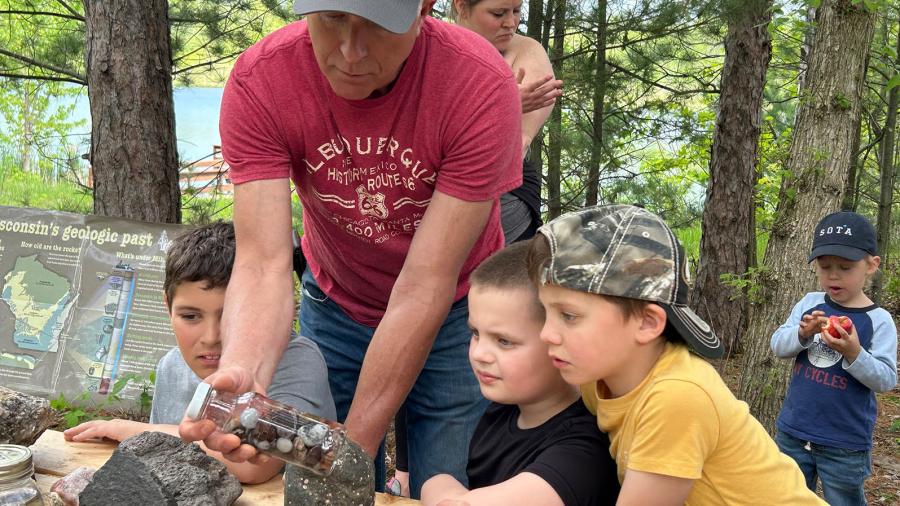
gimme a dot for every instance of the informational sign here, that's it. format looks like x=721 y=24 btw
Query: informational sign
x=80 y=301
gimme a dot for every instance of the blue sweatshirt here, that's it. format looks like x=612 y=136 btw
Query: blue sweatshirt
x=830 y=401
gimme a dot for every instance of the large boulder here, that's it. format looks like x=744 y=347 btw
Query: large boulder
x=23 y=418
x=351 y=483
x=156 y=468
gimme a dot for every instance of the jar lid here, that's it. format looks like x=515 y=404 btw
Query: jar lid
x=197 y=402
x=15 y=462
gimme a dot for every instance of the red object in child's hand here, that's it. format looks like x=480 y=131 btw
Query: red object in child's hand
x=836 y=321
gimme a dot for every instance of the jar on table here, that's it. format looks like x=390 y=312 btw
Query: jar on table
x=272 y=427
x=17 y=485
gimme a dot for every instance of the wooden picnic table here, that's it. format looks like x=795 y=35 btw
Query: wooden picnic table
x=54 y=457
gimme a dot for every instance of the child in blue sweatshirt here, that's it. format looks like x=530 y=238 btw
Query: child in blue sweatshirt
x=829 y=413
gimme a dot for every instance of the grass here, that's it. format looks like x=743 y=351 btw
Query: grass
x=23 y=189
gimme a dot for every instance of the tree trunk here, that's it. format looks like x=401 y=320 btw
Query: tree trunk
x=818 y=163
x=535 y=19
x=848 y=203
x=600 y=78
x=27 y=142
x=133 y=152
x=726 y=234
x=886 y=198
x=554 y=169
x=535 y=25
x=548 y=22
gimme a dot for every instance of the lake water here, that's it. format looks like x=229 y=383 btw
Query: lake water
x=196 y=120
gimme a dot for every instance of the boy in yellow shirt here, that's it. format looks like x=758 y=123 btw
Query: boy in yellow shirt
x=611 y=279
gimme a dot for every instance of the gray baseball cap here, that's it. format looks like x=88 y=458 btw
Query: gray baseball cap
x=392 y=15
x=627 y=251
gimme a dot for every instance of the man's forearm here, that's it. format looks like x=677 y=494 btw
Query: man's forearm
x=414 y=320
x=256 y=322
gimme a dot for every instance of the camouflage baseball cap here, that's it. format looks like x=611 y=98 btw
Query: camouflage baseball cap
x=626 y=251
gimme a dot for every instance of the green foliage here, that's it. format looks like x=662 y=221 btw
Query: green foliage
x=37 y=131
x=84 y=407
x=748 y=284
x=841 y=102
x=27 y=189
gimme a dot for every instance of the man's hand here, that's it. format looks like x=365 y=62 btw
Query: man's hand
x=116 y=430
x=538 y=94
x=847 y=345
x=227 y=379
x=812 y=324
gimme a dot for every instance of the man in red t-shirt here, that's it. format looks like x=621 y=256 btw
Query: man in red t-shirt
x=400 y=132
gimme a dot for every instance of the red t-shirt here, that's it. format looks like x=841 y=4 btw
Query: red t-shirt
x=365 y=170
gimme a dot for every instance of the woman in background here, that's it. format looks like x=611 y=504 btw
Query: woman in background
x=497 y=21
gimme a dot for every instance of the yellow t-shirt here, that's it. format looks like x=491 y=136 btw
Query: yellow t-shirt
x=683 y=421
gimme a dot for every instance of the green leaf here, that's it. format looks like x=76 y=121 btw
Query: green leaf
x=893 y=83
x=119 y=385
x=60 y=403
x=73 y=417
x=815 y=4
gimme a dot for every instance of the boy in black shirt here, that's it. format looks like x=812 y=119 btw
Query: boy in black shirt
x=536 y=443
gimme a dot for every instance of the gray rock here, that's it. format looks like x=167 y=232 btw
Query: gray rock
x=351 y=483
x=125 y=481
x=156 y=468
x=23 y=418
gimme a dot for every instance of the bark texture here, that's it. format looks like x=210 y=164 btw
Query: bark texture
x=727 y=237
x=600 y=80
x=133 y=151
x=886 y=196
x=819 y=159
x=554 y=169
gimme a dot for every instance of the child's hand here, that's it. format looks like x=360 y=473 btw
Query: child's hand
x=847 y=345
x=812 y=324
x=117 y=430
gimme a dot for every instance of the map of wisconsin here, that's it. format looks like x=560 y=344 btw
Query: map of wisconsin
x=39 y=300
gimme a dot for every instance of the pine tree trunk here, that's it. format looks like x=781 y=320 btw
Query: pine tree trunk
x=133 y=151
x=554 y=169
x=534 y=27
x=535 y=19
x=819 y=159
x=848 y=203
x=886 y=198
x=600 y=79
x=726 y=234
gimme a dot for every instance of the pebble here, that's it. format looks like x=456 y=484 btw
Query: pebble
x=249 y=418
x=284 y=445
x=263 y=445
x=313 y=434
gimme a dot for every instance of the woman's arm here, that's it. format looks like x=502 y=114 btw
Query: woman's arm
x=538 y=88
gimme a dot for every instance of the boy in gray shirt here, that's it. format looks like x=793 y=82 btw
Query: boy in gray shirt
x=198 y=268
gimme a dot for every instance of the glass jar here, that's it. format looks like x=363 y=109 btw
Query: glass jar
x=17 y=485
x=272 y=427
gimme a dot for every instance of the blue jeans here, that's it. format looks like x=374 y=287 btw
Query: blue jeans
x=842 y=472
x=445 y=402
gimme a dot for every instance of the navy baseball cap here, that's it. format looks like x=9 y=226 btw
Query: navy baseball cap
x=844 y=234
